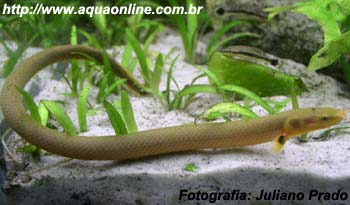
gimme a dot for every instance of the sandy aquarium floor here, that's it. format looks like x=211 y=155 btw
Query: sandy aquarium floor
x=301 y=167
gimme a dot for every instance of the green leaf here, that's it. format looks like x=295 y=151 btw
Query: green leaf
x=75 y=70
x=61 y=116
x=330 y=52
x=212 y=76
x=116 y=119
x=29 y=101
x=14 y=56
x=102 y=87
x=346 y=68
x=219 y=33
x=128 y=113
x=223 y=108
x=192 y=31
x=169 y=77
x=191 y=167
x=75 y=73
x=190 y=91
x=91 y=39
x=140 y=54
x=328 y=13
x=82 y=108
x=100 y=21
x=157 y=73
x=30 y=149
x=226 y=40
x=280 y=105
x=73 y=36
x=106 y=62
x=180 y=21
x=152 y=36
x=127 y=57
x=274 y=11
x=249 y=94
x=113 y=87
x=43 y=112
x=194 y=89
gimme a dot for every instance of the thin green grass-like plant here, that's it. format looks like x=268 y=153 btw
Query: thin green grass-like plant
x=57 y=112
x=218 y=40
x=187 y=26
x=226 y=40
x=116 y=119
x=82 y=108
x=169 y=79
x=29 y=101
x=141 y=56
x=14 y=55
x=249 y=94
x=39 y=115
x=218 y=87
x=123 y=120
x=128 y=61
x=75 y=70
x=128 y=113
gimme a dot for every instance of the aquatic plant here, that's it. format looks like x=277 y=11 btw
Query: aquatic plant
x=334 y=18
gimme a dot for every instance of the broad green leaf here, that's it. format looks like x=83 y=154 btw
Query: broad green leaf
x=331 y=52
x=327 y=13
x=230 y=69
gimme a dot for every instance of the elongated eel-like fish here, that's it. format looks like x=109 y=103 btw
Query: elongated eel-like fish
x=278 y=128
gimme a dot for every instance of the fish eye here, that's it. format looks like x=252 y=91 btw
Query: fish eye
x=220 y=11
x=325 y=118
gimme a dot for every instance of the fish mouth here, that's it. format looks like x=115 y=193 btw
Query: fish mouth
x=341 y=115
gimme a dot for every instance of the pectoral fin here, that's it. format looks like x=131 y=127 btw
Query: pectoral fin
x=278 y=143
